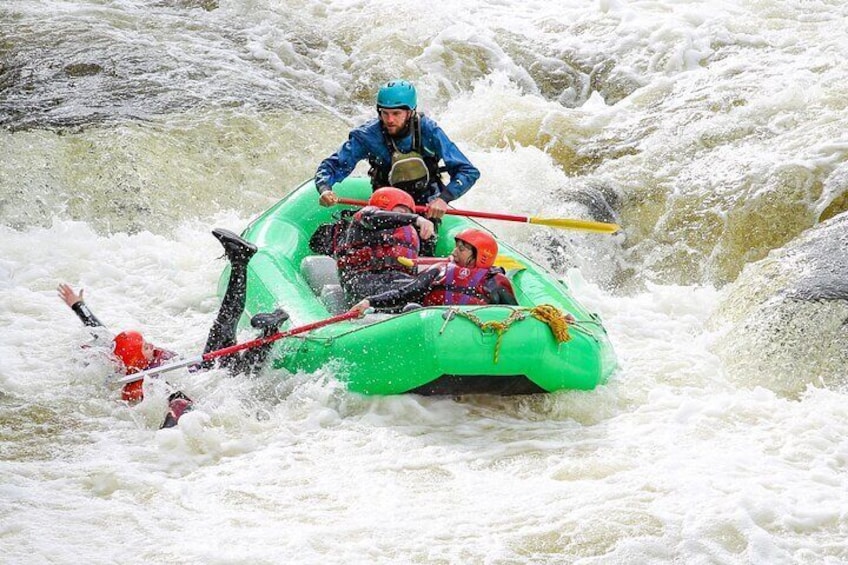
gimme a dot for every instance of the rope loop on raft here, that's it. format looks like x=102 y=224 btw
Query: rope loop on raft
x=551 y=315
x=556 y=320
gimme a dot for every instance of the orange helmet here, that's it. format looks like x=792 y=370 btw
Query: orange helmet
x=388 y=197
x=484 y=244
x=129 y=348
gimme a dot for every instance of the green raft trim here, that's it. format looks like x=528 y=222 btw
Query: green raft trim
x=417 y=351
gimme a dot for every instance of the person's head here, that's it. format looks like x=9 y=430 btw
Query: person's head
x=475 y=248
x=133 y=351
x=392 y=199
x=396 y=102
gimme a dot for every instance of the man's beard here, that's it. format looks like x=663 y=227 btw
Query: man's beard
x=402 y=132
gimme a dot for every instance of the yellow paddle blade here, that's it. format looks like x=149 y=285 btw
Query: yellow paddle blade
x=508 y=263
x=570 y=224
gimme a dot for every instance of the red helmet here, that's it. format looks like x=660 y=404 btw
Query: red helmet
x=484 y=244
x=129 y=348
x=388 y=197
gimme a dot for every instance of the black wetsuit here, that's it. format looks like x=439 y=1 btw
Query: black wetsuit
x=85 y=315
x=363 y=229
x=223 y=331
x=496 y=289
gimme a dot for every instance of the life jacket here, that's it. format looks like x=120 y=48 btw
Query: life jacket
x=133 y=392
x=459 y=285
x=160 y=356
x=413 y=172
x=378 y=250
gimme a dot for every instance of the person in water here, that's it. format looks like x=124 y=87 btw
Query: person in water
x=404 y=149
x=135 y=354
x=469 y=277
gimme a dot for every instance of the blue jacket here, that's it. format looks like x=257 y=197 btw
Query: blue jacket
x=367 y=142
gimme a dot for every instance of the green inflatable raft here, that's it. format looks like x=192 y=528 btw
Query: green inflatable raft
x=492 y=349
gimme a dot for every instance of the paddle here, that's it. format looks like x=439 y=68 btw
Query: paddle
x=507 y=263
x=237 y=347
x=564 y=223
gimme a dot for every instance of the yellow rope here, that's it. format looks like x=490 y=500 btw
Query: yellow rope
x=556 y=320
x=498 y=328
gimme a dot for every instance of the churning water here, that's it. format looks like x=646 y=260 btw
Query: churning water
x=713 y=132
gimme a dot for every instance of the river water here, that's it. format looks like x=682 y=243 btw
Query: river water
x=713 y=132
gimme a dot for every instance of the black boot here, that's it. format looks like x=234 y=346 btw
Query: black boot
x=269 y=322
x=237 y=249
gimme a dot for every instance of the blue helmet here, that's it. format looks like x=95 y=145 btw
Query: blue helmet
x=397 y=94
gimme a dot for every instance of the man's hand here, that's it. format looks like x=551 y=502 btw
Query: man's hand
x=67 y=294
x=437 y=208
x=426 y=229
x=328 y=198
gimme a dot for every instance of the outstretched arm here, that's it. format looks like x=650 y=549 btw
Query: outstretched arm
x=411 y=292
x=75 y=302
x=373 y=218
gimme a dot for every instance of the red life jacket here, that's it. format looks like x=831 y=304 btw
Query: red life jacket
x=378 y=250
x=459 y=285
x=160 y=356
x=133 y=392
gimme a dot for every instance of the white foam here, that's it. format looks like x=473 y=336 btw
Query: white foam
x=682 y=108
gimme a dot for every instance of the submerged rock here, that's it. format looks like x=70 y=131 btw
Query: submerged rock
x=83 y=69
x=786 y=316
